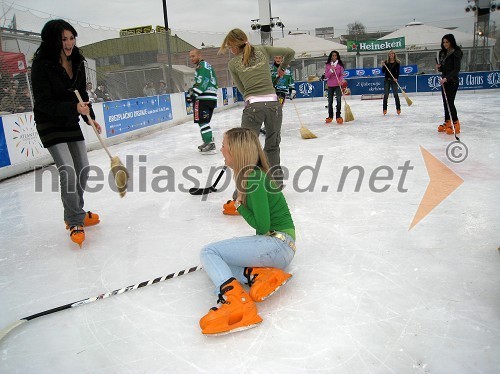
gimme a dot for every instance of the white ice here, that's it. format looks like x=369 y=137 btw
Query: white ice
x=368 y=295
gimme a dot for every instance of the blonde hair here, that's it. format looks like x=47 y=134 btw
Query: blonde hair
x=247 y=153
x=396 y=59
x=237 y=38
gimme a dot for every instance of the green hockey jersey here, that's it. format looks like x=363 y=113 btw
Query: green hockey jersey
x=205 y=82
x=284 y=83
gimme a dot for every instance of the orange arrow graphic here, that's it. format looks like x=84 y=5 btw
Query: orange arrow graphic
x=443 y=181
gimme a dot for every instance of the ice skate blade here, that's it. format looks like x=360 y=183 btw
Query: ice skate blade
x=242 y=328
x=209 y=152
x=276 y=290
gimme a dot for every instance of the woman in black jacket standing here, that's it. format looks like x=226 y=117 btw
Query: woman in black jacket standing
x=57 y=71
x=450 y=58
x=391 y=70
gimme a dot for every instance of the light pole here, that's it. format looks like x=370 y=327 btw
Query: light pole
x=481 y=55
x=275 y=21
x=169 y=52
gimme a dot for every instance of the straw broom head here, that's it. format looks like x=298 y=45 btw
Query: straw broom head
x=408 y=100
x=121 y=175
x=306 y=133
x=348 y=114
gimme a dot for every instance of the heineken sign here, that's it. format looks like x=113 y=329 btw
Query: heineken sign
x=375 y=45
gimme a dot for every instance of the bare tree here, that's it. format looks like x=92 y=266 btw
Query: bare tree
x=356 y=28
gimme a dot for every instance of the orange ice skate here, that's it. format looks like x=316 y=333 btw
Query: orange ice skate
x=238 y=312
x=264 y=282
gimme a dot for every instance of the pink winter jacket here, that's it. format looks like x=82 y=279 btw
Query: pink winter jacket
x=330 y=75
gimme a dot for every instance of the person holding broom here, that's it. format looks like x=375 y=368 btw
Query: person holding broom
x=256 y=260
x=250 y=71
x=58 y=69
x=334 y=74
x=391 y=70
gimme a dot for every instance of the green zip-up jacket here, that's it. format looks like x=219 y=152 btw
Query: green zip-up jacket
x=266 y=208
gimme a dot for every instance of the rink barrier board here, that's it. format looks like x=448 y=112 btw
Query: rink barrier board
x=21 y=149
x=421 y=83
x=122 y=120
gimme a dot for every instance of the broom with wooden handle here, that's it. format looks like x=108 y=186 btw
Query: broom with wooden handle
x=305 y=133
x=348 y=113
x=119 y=171
x=408 y=100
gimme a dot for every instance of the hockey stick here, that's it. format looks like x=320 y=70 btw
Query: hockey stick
x=449 y=112
x=89 y=300
x=448 y=107
x=207 y=190
x=408 y=100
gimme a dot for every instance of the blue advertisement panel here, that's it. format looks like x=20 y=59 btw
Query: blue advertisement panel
x=376 y=72
x=128 y=115
x=375 y=85
x=309 y=89
x=363 y=86
x=236 y=95
x=225 y=100
x=189 y=104
x=239 y=95
x=409 y=83
x=4 y=152
x=468 y=81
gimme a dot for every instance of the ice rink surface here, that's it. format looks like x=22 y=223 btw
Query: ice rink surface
x=368 y=295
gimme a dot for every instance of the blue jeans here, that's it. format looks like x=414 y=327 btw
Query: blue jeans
x=73 y=166
x=229 y=258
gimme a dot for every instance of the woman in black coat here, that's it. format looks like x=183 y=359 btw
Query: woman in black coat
x=391 y=70
x=57 y=71
x=450 y=58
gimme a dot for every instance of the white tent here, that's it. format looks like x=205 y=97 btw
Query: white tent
x=307 y=46
x=420 y=36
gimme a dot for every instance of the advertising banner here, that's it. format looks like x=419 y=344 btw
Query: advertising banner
x=21 y=138
x=12 y=63
x=375 y=72
x=375 y=45
x=132 y=114
x=467 y=81
x=309 y=89
x=4 y=152
x=238 y=95
x=363 y=85
x=225 y=100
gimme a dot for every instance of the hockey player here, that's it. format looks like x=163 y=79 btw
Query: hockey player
x=283 y=85
x=256 y=260
x=203 y=94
